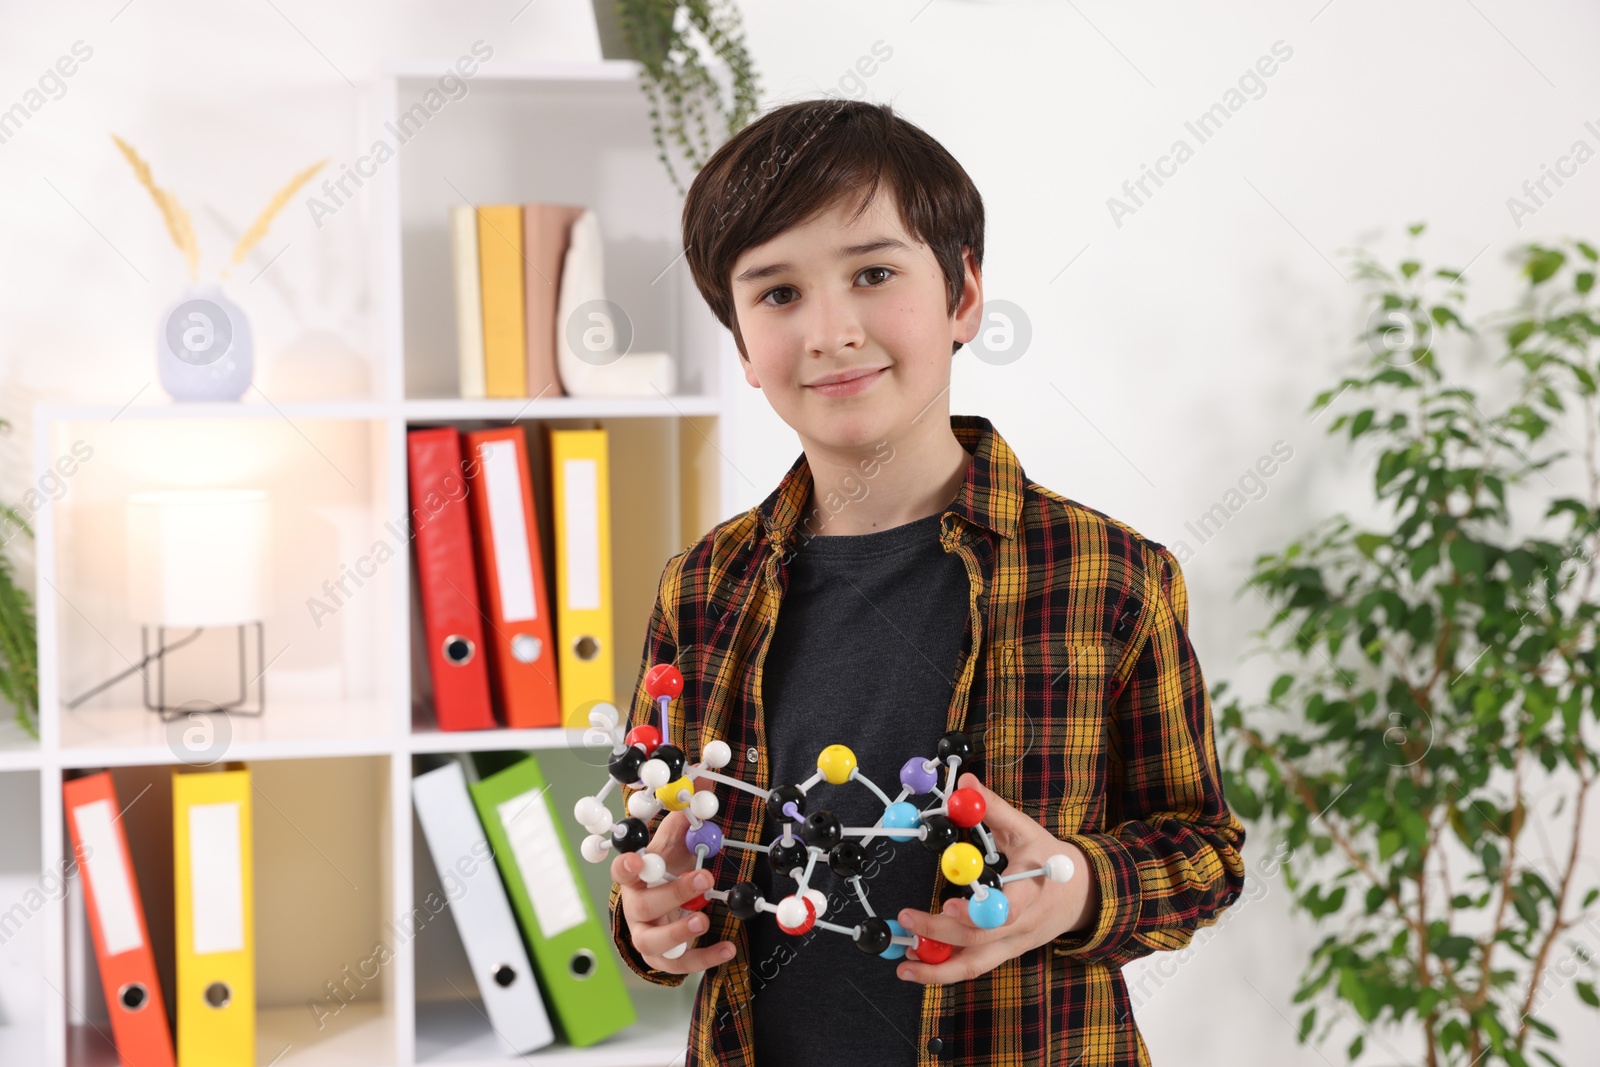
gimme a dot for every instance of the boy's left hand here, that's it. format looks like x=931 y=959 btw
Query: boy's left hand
x=1041 y=910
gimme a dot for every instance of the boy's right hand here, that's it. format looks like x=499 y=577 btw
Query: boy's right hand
x=655 y=920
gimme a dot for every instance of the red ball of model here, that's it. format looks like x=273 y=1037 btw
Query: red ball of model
x=646 y=737
x=966 y=807
x=789 y=915
x=663 y=680
x=930 y=951
x=695 y=903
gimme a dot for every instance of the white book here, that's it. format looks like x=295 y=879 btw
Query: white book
x=469 y=300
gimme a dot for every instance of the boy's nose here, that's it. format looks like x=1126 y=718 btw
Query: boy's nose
x=832 y=326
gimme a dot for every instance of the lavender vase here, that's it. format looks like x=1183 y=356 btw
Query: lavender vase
x=203 y=346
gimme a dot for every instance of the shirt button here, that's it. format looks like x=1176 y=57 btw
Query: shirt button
x=751 y=755
x=935 y=1046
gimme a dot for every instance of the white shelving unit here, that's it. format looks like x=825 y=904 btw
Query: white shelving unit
x=340 y=862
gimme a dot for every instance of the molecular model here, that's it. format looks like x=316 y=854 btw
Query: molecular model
x=646 y=760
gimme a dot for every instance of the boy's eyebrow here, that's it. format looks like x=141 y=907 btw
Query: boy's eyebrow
x=877 y=244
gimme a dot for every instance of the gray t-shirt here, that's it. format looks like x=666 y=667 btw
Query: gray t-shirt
x=869 y=635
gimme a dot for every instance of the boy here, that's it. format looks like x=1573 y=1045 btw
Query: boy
x=918 y=569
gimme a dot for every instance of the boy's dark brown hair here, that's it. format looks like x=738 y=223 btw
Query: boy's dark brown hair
x=803 y=158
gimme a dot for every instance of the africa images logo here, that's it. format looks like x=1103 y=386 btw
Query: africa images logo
x=199 y=332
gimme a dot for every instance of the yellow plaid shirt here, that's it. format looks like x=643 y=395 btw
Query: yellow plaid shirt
x=1097 y=724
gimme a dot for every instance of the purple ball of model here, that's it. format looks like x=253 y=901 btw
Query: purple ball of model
x=706 y=834
x=917 y=776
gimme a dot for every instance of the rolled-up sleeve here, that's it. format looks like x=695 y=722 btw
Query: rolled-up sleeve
x=660 y=646
x=1171 y=862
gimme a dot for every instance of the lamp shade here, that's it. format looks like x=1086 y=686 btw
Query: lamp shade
x=197 y=557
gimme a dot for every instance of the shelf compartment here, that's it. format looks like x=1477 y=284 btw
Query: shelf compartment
x=662 y=485
x=581 y=136
x=322 y=894
x=451 y=1026
x=26 y=895
x=329 y=672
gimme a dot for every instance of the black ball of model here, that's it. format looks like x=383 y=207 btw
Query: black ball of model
x=989 y=877
x=942 y=833
x=630 y=835
x=624 y=766
x=674 y=758
x=823 y=829
x=781 y=796
x=742 y=899
x=848 y=859
x=786 y=857
x=954 y=743
x=872 y=936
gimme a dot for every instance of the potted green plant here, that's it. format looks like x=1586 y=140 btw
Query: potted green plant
x=19 y=650
x=690 y=113
x=1433 y=723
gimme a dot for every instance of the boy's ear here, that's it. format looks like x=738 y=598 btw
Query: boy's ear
x=968 y=316
x=744 y=357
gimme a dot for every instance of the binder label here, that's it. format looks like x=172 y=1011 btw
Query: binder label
x=109 y=873
x=215 y=878
x=552 y=887
x=581 y=500
x=513 y=563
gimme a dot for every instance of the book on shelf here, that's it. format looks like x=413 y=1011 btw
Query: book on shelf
x=532 y=315
x=498 y=643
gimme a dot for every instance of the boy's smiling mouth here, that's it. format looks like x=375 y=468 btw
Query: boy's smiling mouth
x=846 y=383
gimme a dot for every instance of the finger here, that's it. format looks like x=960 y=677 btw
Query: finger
x=963 y=964
x=946 y=928
x=957 y=908
x=625 y=869
x=669 y=832
x=654 y=903
x=695 y=959
x=656 y=939
x=668 y=842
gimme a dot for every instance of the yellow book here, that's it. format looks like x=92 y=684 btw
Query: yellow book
x=212 y=843
x=580 y=490
x=505 y=338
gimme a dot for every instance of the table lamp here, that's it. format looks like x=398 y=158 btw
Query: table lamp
x=197 y=559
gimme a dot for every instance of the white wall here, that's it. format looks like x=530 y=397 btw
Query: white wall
x=1188 y=339
x=1193 y=336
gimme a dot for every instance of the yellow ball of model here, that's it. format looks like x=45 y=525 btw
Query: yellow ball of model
x=675 y=795
x=837 y=763
x=961 y=863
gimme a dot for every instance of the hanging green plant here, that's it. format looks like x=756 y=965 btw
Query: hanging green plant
x=666 y=38
x=19 y=651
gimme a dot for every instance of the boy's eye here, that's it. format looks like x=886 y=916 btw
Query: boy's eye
x=887 y=273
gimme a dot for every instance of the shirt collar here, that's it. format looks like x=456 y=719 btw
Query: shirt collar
x=990 y=495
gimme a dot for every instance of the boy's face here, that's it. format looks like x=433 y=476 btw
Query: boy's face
x=830 y=297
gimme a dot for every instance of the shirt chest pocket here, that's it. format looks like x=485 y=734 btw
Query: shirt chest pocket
x=1068 y=691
